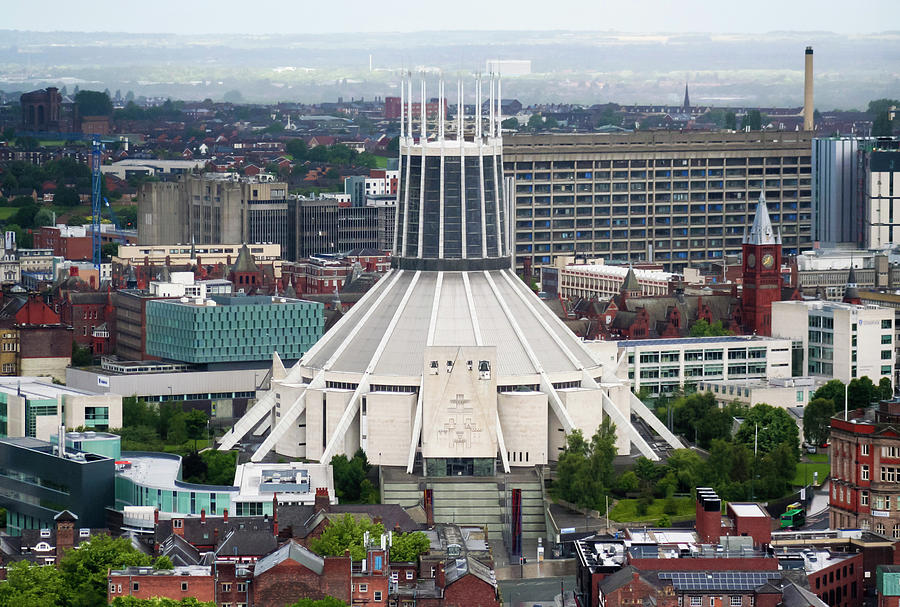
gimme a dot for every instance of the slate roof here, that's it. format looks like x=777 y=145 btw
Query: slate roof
x=179 y=551
x=247 y=542
x=244 y=261
x=303 y=519
x=294 y=551
x=617 y=580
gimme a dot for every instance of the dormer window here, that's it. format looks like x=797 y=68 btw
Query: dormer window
x=43 y=547
x=45 y=533
x=84 y=533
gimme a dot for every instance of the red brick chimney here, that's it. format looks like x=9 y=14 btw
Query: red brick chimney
x=156 y=516
x=202 y=516
x=322 y=502
x=439 y=579
x=709 y=516
x=275 y=514
x=225 y=514
x=429 y=508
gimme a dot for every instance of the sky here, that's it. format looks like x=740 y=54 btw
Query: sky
x=346 y=16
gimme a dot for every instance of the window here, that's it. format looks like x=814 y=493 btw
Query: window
x=696 y=601
x=888 y=474
x=409 y=575
x=889 y=451
x=363 y=587
x=395 y=576
x=737 y=601
x=226 y=587
x=886 y=354
x=242 y=587
x=886 y=324
x=864 y=449
x=112 y=588
x=176 y=523
x=184 y=586
x=879 y=528
x=377 y=595
x=863 y=498
x=865 y=472
x=135 y=586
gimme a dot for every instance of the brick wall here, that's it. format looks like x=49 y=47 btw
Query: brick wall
x=175 y=587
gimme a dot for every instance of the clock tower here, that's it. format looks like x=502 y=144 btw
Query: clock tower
x=762 y=272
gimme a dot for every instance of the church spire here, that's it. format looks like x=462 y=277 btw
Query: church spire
x=687 y=99
x=762 y=232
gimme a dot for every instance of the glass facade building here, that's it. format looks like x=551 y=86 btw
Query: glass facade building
x=236 y=328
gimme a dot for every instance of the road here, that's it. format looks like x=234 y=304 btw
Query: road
x=534 y=591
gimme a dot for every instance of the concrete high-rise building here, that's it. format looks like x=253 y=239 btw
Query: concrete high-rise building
x=214 y=207
x=450 y=359
x=838 y=192
x=675 y=198
x=882 y=183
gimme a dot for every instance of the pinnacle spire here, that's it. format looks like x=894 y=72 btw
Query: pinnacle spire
x=762 y=232
x=687 y=99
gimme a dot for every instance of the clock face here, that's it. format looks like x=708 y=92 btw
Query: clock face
x=751 y=260
x=768 y=260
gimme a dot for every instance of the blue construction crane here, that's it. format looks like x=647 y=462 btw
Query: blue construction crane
x=96 y=209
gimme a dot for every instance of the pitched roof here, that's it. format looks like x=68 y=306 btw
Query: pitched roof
x=244 y=262
x=294 y=551
x=631 y=282
x=617 y=580
x=247 y=542
x=762 y=232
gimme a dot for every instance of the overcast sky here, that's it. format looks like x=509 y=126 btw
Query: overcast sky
x=314 y=16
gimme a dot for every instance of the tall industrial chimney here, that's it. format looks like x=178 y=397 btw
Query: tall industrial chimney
x=808 y=107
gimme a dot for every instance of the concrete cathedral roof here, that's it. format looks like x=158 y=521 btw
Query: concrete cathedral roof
x=490 y=308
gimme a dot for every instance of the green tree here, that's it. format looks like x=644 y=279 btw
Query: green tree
x=730 y=121
x=44 y=217
x=24 y=216
x=817 y=420
x=882 y=125
x=163 y=562
x=195 y=422
x=346 y=533
x=84 y=570
x=81 y=356
x=29 y=585
x=349 y=476
x=297 y=148
x=328 y=601
x=220 y=466
x=535 y=122
x=408 y=546
x=833 y=390
x=765 y=427
x=93 y=103
x=393 y=147
x=510 y=124
x=861 y=392
x=178 y=433
x=885 y=389
x=584 y=472
x=109 y=250
x=66 y=197
x=130 y=601
x=753 y=119
x=702 y=328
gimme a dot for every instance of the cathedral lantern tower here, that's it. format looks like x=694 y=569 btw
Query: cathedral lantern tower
x=762 y=272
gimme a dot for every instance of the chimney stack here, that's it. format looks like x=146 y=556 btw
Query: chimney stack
x=225 y=515
x=808 y=106
x=275 y=515
x=322 y=502
x=203 y=516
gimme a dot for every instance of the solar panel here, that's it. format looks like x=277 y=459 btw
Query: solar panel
x=718 y=580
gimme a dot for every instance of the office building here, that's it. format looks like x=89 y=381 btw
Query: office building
x=865 y=462
x=234 y=328
x=37 y=483
x=325 y=225
x=596 y=279
x=214 y=208
x=784 y=392
x=379 y=182
x=663 y=366
x=449 y=360
x=171 y=254
x=839 y=340
x=882 y=183
x=35 y=407
x=675 y=198
x=823 y=273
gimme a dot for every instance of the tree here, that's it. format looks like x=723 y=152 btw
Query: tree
x=584 y=473
x=510 y=124
x=350 y=478
x=408 y=546
x=44 y=217
x=109 y=250
x=66 y=197
x=178 y=433
x=885 y=389
x=817 y=420
x=882 y=125
x=297 y=148
x=535 y=122
x=130 y=601
x=702 y=328
x=861 y=392
x=328 y=601
x=765 y=427
x=345 y=533
x=24 y=216
x=753 y=119
x=195 y=422
x=833 y=390
x=233 y=97
x=28 y=585
x=93 y=103
x=81 y=356
x=730 y=121
x=84 y=570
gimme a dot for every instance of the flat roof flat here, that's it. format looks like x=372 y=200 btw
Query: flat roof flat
x=677 y=341
x=748 y=510
x=39 y=387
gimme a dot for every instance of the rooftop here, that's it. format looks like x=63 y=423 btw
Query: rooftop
x=699 y=341
x=189 y=570
x=38 y=388
x=619 y=271
x=234 y=300
x=748 y=510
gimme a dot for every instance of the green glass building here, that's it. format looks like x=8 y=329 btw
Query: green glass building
x=232 y=328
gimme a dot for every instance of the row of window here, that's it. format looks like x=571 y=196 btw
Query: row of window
x=656 y=162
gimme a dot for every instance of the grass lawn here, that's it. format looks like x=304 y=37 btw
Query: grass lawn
x=7 y=212
x=381 y=162
x=805 y=472
x=819 y=458
x=625 y=511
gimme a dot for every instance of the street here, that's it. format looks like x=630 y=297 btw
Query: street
x=534 y=591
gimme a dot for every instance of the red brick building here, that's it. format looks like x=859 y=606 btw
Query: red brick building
x=71 y=244
x=147 y=582
x=293 y=572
